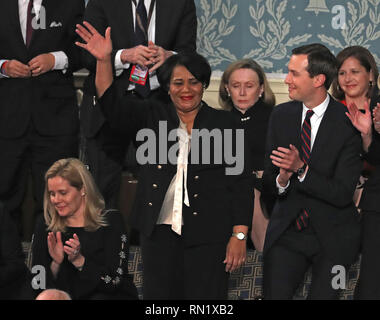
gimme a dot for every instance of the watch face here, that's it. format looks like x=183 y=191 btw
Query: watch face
x=240 y=236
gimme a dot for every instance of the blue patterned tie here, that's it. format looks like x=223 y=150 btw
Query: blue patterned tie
x=141 y=38
x=141 y=25
x=302 y=220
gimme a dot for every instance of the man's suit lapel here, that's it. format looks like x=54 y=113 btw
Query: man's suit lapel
x=15 y=24
x=124 y=18
x=159 y=12
x=326 y=129
x=295 y=123
x=162 y=9
x=47 y=8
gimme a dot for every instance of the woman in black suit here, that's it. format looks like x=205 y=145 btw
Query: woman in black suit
x=244 y=90
x=193 y=206
x=356 y=87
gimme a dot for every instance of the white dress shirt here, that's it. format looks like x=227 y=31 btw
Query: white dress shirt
x=176 y=195
x=315 y=121
x=61 y=60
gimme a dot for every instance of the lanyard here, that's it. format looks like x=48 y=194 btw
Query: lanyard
x=149 y=15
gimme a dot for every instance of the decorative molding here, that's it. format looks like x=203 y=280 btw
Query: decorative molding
x=267 y=30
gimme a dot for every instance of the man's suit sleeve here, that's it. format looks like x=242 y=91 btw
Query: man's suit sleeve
x=125 y=115
x=187 y=30
x=12 y=265
x=271 y=172
x=71 y=50
x=337 y=190
x=95 y=15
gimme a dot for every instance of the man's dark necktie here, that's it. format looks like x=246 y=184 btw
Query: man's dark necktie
x=302 y=220
x=29 y=27
x=141 y=38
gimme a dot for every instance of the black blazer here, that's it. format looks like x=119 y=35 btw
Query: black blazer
x=217 y=201
x=13 y=270
x=48 y=100
x=370 y=200
x=176 y=29
x=255 y=122
x=329 y=185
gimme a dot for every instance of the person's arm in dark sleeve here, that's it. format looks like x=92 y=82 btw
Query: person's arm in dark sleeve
x=242 y=188
x=373 y=154
x=12 y=265
x=108 y=276
x=187 y=30
x=95 y=15
x=338 y=189
x=70 y=49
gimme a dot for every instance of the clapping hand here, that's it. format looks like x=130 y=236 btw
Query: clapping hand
x=376 y=117
x=73 y=249
x=55 y=247
x=288 y=161
x=361 y=121
x=100 y=47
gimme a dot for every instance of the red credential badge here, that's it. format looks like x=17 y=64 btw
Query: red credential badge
x=139 y=74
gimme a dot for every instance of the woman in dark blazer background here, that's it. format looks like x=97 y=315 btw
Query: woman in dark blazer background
x=245 y=91
x=356 y=87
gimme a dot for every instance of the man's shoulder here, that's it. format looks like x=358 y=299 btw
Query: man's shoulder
x=337 y=110
x=338 y=106
x=286 y=108
x=73 y=3
x=105 y=4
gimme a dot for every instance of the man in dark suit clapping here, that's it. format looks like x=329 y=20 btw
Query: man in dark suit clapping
x=312 y=164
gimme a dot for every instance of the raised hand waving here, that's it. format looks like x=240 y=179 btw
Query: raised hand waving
x=100 y=47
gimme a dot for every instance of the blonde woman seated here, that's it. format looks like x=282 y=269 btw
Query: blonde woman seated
x=82 y=246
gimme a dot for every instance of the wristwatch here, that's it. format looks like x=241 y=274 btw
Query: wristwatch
x=301 y=171
x=240 y=235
